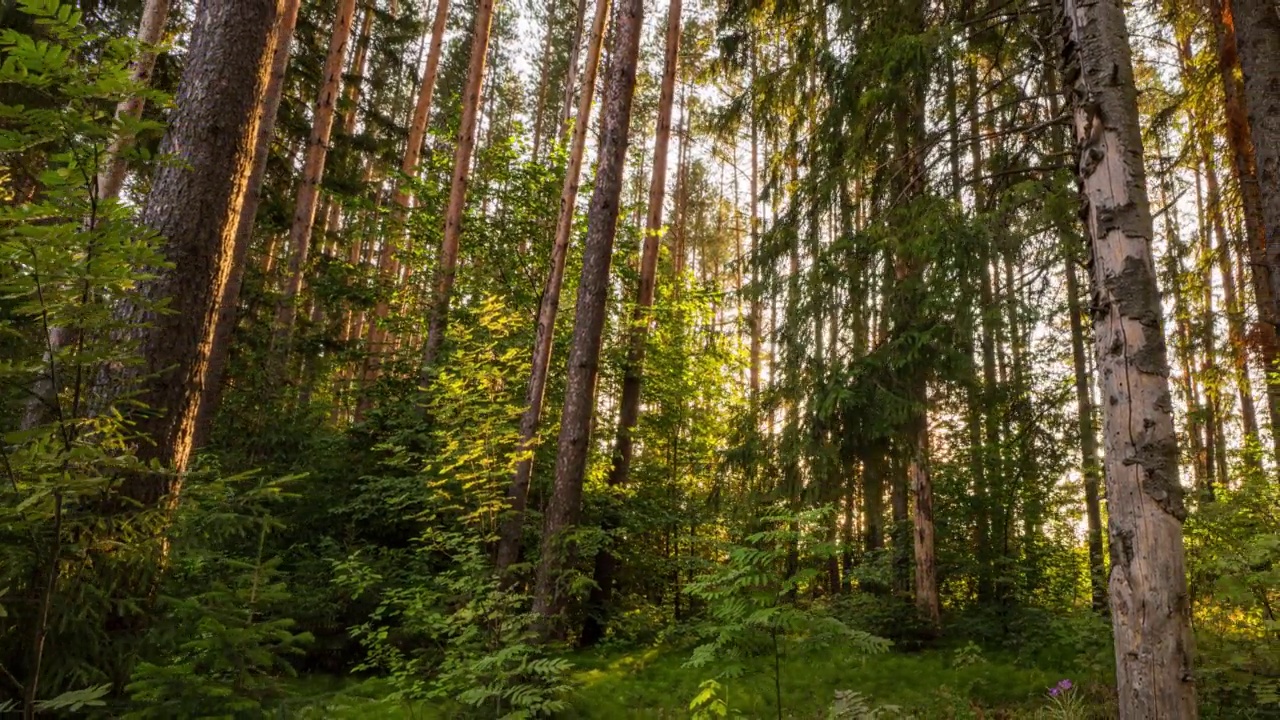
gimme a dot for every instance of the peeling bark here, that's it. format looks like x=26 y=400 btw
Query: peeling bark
x=1150 y=607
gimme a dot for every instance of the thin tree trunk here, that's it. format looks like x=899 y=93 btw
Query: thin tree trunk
x=1090 y=468
x=448 y=258
x=571 y=71
x=1236 y=334
x=304 y=213
x=633 y=375
x=150 y=31
x=517 y=494
x=926 y=580
x=1149 y=603
x=593 y=290
x=195 y=205
x=544 y=71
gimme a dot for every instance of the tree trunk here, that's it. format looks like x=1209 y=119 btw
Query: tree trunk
x=1257 y=33
x=388 y=267
x=926 y=580
x=593 y=290
x=571 y=70
x=228 y=306
x=448 y=258
x=150 y=31
x=517 y=494
x=195 y=205
x=1236 y=333
x=1149 y=603
x=1090 y=468
x=1244 y=163
x=304 y=214
x=633 y=374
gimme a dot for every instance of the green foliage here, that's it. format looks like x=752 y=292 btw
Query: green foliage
x=74 y=574
x=445 y=627
x=224 y=637
x=752 y=606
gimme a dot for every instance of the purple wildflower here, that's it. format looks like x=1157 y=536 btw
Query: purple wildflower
x=1062 y=687
x=1053 y=692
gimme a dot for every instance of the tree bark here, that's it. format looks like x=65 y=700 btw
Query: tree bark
x=150 y=31
x=1257 y=34
x=1236 y=333
x=593 y=290
x=388 y=267
x=1150 y=609
x=195 y=205
x=926 y=580
x=228 y=306
x=633 y=373
x=304 y=214
x=448 y=258
x=517 y=494
x=1244 y=164
x=1090 y=468
x=571 y=71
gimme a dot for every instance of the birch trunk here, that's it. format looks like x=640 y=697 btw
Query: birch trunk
x=1150 y=607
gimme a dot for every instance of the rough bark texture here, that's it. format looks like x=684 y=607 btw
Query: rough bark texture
x=517 y=494
x=633 y=374
x=304 y=212
x=926 y=580
x=1257 y=32
x=1090 y=468
x=195 y=205
x=150 y=31
x=593 y=291
x=1150 y=608
x=228 y=306
x=1244 y=164
x=448 y=258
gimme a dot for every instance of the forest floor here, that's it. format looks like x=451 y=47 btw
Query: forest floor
x=654 y=683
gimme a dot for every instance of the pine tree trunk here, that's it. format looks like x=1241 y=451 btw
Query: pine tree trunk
x=517 y=494
x=150 y=32
x=633 y=374
x=1150 y=607
x=1244 y=164
x=571 y=70
x=1257 y=33
x=448 y=257
x=593 y=291
x=926 y=580
x=388 y=267
x=304 y=214
x=544 y=71
x=228 y=307
x=195 y=205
